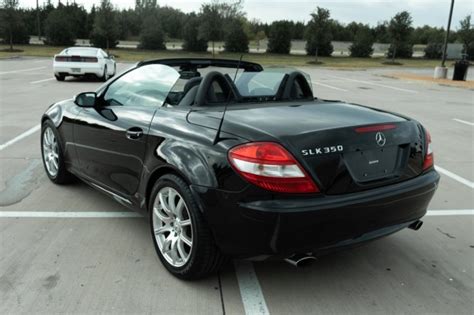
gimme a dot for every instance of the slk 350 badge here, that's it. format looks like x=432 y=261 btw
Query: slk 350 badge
x=322 y=150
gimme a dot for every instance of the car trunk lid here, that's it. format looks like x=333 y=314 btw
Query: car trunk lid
x=344 y=147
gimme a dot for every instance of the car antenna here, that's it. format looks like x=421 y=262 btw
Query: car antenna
x=218 y=138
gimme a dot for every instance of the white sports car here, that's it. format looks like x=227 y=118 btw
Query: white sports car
x=82 y=61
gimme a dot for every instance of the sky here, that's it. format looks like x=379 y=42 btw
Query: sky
x=424 y=12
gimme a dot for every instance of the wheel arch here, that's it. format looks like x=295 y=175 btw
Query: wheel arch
x=156 y=174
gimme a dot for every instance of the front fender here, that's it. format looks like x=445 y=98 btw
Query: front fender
x=58 y=111
x=53 y=113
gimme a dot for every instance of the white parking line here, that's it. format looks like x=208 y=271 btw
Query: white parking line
x=249 y=285
x=376 y=84
x=463 y=122
x=18 y=138
x=456 y=177
x=22 y=70
x=250 y=290
x=44 y=80
x=329 y=86
x=244 y=268
x=435 y=213
x=67 y=214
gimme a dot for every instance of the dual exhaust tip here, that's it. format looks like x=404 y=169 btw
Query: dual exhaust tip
x=303 y=260
x=416 y=225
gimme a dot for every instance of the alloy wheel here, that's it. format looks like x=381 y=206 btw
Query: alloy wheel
x=50 y=152
x=172 y=227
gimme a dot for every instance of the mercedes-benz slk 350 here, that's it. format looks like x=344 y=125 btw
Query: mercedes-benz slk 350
x=227 y=159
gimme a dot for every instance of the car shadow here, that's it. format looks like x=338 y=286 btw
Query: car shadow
x=82 y=79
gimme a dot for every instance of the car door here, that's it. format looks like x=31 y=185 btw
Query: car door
x=111 y=137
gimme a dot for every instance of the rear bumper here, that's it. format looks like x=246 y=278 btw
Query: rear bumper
x=78 y=68
x=301 y=224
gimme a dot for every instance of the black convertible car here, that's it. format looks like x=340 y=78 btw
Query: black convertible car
x=227 y=159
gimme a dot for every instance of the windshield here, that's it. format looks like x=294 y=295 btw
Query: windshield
x=148 y=86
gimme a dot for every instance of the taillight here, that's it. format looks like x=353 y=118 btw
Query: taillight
x=270 y=166
x=60 y=58
x=90 y=59
x=429 y=158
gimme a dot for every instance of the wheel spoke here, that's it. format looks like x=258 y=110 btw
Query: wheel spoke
x=171 y=198
x=186 y=240
x=179 y=208
x=161 y=216
x=55 y=163
x=174 y=250
x=167 y=244
x=50 y=164
x=50 y=136
x=181 y=250
x=186 y=222
x=162 y=229
x=46 y=138
x=164 y=204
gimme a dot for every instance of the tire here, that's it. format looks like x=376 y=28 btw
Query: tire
x=60 y=77
x=115 y=71
x=51 y=149
x=105 y=75
x=199 y=260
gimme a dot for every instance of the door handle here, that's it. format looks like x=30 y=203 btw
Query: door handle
x=134 y=133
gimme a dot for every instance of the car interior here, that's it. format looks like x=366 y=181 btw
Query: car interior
x=215 y=88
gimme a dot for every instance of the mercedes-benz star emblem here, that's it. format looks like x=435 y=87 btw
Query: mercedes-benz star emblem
x=380 y=139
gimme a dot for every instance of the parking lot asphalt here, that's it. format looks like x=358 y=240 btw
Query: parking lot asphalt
x=85 y=253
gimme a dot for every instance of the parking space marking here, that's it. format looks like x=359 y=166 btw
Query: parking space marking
x=20 y=137
x=329 y=86
x=463 y=122
x=456 y=177
x=22 y=70
x=68 y=214
x=244 y=270
x=376 y=84
x=435 y=213
x=250 y=290
x=44 y=80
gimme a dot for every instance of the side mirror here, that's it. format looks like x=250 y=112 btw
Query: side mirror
x=112 y=57
x=86 y=99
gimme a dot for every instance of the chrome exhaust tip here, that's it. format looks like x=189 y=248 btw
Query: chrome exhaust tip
x=301 y=260
x=416 y=225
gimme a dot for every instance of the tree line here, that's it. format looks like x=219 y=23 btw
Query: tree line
x=218 y=21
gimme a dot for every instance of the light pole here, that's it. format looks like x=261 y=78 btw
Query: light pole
x=445 y=48
x=38 y=24
x=442 y=72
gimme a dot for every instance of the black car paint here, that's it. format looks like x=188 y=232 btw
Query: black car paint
x=246 y=220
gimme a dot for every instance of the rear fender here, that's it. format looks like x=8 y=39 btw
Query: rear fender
x=193 y=161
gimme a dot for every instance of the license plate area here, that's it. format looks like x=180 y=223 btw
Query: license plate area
x=75 y=70
x=373 y=164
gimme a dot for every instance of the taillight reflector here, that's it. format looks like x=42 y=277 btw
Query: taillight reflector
x=270 y=166
x=60 y=58
x=375 y=128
